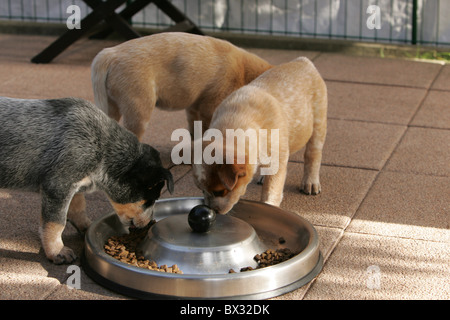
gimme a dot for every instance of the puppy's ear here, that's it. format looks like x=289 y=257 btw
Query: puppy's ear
x=169 y=179
x=230 y=173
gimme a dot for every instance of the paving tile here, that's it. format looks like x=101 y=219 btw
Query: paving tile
x=89 y=290
x=373 y=103
x=23 y=47
x=327 y=238
x=25 y=272
x=435 y=111
x=20 y=219
x=406 y=205
x=358 y=144
x=4 y=36
x=21 y=253
x=10 y=71
x=24 y=210
x=373 y=267
x=343 y=189
x=423 y=151
x=376 y=70
x=21 y=279
x=82 y=52
x=443 y=80
x=51 y=81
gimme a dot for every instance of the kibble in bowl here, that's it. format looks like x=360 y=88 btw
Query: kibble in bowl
x=125 y=249
x=269 y=258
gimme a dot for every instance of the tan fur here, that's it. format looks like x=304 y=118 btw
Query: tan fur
x=132 y=212
x=172 y=71
x=77 y=213
x=292 y=98
x=54 y=248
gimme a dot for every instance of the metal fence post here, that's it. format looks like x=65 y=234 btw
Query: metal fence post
x=414 y=23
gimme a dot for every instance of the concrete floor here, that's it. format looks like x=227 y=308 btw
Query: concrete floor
x=385 y=177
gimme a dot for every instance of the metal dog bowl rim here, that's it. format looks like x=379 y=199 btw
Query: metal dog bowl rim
x=93 y=260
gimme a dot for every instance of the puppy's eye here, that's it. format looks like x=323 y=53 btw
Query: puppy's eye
x=147 y=205
x=219 y=193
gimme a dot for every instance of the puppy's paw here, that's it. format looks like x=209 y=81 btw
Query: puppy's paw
x=310 y=188
x=66 y=255
x=81 y=224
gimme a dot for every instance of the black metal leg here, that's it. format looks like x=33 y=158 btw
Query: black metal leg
x=121 y=26
x=68 y=38
x=105 y=10
x=101 y=11
x=118 y=23
x=183 y=23
x=127 y=13
x=176 y=15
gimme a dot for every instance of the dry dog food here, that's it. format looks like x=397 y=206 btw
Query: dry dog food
x=124 y=248
x=269 y=258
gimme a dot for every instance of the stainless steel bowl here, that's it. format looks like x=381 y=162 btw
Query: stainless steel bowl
x=251 y=227
x=230 y=244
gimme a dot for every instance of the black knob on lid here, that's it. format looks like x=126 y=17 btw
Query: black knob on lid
x=201 y=218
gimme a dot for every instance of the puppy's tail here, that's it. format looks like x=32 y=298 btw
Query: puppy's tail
x=99 y=76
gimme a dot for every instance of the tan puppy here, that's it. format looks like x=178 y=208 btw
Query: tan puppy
x=172 y=71
x=291 y=98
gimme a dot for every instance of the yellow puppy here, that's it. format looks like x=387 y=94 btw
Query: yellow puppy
x=173 y=71
x=290 y=100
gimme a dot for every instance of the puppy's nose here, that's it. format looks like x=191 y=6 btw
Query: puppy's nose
x=207 y=201
x=132 y=226
x=218 y=210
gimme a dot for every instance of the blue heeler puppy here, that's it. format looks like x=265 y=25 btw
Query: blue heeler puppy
x=61 y=147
